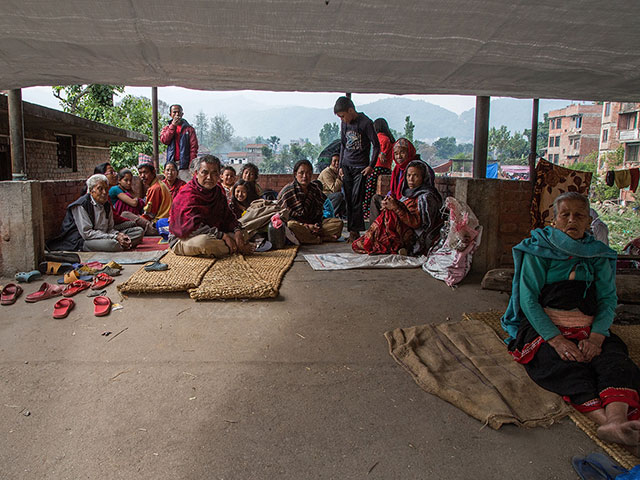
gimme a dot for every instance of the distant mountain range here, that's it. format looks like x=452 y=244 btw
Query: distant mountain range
x=431 y=121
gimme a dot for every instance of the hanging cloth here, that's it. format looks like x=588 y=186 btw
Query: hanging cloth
x=635 y=177
x=623 y=178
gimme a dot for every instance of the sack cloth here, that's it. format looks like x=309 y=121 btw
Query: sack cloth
x=466 y=364
x=258 y=215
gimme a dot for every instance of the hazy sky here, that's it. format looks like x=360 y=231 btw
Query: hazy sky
x=206 y=100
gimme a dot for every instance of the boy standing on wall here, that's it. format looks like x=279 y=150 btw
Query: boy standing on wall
x=357 y=160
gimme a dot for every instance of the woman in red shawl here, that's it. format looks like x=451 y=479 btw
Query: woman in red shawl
x=410 y=223
x=201 y=222
x=403 y=153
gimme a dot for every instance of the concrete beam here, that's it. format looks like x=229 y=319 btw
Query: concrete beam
x=154 y=108
x=481 y=137
x=21 y=227
x=16 y=135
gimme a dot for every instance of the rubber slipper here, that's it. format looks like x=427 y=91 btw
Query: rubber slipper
x=73 y=276
x=101 y=280
x=46 y=290
x=586 y=471
x=10 y=294
x=86 y=270
x=55 y=268
x=113 y=264
x=62 y=307
x=26 y=277
x=75 y=287
x=265 y=246
x=604 y=463
x=102 y=306
x=112 y=272
x=95 y=265
x=156 y=267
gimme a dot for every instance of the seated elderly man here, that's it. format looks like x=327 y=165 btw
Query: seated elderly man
x=332 y=185
x=201 y=222
x=88 y=224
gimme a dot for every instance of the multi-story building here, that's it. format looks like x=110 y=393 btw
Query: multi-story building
x=251 y=154
x=574 y=133
x=629 y=132
x=609 y=134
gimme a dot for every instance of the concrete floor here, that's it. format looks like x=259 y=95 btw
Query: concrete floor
x=299 y=387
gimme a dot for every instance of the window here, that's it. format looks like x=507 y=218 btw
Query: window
x=551 y=141
x=605 y=136
x=558 y=122
x=558 y=141
x=67 y=152
x=556 y=158
x=607 y=109
x=632 y=153
x=552 y=124
x=571 y=141
x=578 y=122
x=577 y=144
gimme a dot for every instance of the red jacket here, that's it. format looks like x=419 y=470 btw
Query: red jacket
x=168 y=137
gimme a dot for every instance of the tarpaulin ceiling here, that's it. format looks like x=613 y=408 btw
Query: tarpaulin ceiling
x=527 y=48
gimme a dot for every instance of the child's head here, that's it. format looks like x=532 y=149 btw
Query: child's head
x=249 y=172
x=345 y=109
x=240 y=191
x=228 y=176
x=124 y=179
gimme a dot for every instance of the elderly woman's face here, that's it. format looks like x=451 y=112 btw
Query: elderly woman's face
x=573 y=218
x=170 y=173
x=400 y=153
x=100 y=193
x=111 y=175
x=414 y=177
x=303 y=175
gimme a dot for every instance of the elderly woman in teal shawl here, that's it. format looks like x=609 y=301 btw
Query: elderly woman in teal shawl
x=562 y=305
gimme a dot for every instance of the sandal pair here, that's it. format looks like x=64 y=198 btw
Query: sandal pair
x=10 y=294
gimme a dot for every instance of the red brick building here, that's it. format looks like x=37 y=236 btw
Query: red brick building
x=609 y=134
x=574 y=133
x=58 y=145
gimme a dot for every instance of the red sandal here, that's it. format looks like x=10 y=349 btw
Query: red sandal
x=62 y=307
x=10 y=294
x=102 y=306
x=101 y=280
x=46 y=290
x=75 y=287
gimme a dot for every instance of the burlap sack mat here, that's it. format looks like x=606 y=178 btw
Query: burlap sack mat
x=252 y=276
x=631 y=336
x=466 y=364
x=183 y=273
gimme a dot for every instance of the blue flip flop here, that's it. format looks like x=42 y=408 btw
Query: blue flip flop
x=26 y=277
x=156 y=267
x=587 y=471
x=605 y=464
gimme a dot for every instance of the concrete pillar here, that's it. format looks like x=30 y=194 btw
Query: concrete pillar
x=21 y=227
x=481 y=137
x=533 y=154
x=16 y=134
x=154 y=106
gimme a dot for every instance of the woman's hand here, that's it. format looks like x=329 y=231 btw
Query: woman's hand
x=389 y=203
x=314 y=228
x=591 y=347
x=566 y=349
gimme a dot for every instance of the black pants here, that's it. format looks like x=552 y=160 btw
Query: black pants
x=353 y=186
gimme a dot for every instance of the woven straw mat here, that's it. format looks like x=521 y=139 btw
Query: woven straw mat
x=253 y=276
x=183 y=273
x=631 y=336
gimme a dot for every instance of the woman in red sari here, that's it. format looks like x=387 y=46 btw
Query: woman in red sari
x=408 y=224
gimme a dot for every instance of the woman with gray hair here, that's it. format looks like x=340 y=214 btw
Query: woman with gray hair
x=88 y=224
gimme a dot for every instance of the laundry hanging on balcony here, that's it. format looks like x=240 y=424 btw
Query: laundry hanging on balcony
x=624 y=178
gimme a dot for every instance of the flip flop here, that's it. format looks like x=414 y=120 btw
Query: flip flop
x=112 y=272
x=62 y=307
x=55 y=268
x=75 y=287
x=46 y=290
x=26 y=277
x=72 y=276
x=605 y=464
x=10 y=294
x=102 y=306
x=265 y=246
x=586 y=471
x=114 y=265
x=101 y=280
x=156 y=267
x=95 y=265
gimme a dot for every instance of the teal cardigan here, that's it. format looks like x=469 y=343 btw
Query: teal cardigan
x=548 y=257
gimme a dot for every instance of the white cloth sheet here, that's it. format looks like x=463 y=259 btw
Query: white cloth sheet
x=347 y=261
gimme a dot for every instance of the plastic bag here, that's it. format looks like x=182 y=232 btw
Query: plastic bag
x=463 y=224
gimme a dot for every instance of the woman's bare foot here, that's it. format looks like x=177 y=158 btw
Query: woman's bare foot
x=353 y=236
x=625 y=433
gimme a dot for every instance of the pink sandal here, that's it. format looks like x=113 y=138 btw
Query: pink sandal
x=46 y=290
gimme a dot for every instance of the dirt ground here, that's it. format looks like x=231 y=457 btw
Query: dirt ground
x=299 y=387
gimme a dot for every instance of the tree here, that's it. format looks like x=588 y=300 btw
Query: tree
x=445 y=147
x=409 y=127
x=273 y=142
x=220 y=132
x=96 y=102
x=543 y=135
x=329 y=133
x=201 y=125
x=499 y=142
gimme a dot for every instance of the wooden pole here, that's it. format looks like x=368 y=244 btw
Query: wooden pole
x=533 y=154
x=16 y=135
x=154 y=105
x=481 y=137
x=348 y=95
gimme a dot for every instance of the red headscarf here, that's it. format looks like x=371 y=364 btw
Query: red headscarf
x=398 y=171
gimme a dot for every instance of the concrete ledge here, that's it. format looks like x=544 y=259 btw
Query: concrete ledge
x=21 y=227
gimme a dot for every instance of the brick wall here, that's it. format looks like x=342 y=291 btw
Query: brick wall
x=514 y=216
x=275 y=181
x=56 y=195
x=445 y=185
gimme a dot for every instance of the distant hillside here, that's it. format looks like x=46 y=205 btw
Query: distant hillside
x=432 y=121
